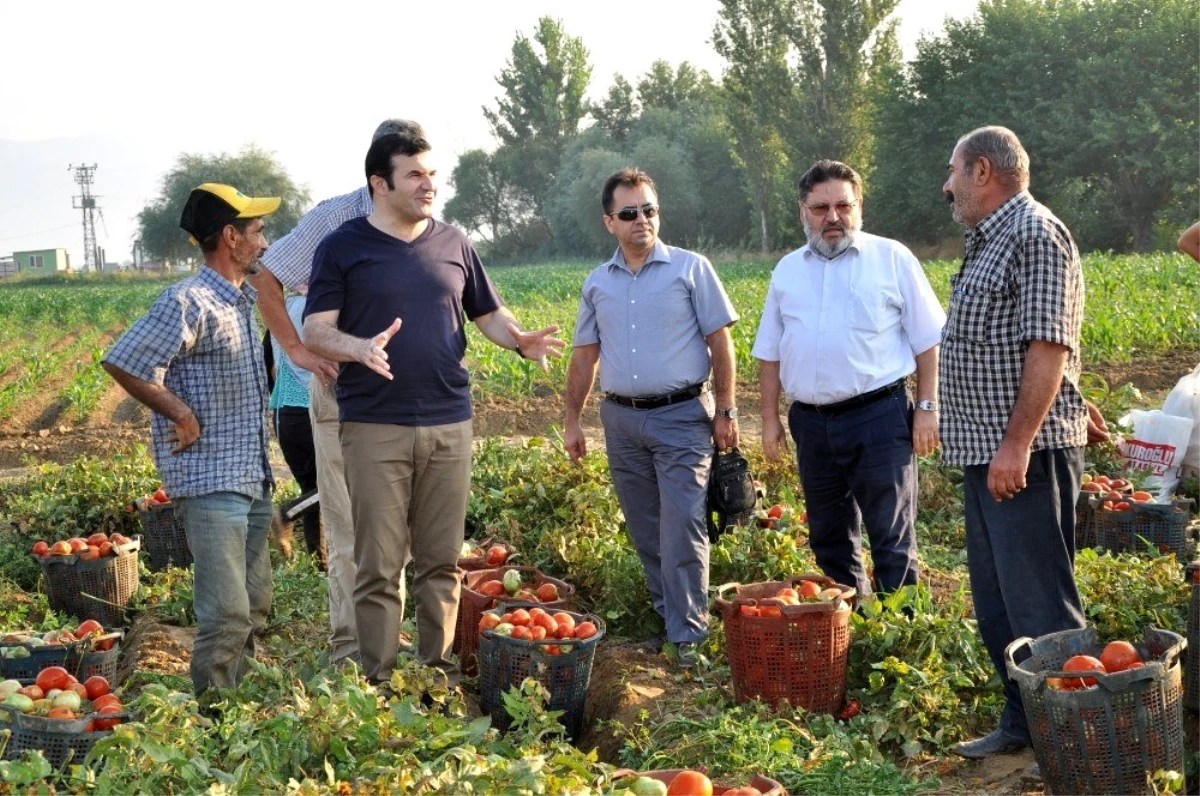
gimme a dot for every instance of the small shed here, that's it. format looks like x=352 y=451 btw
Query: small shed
x=42 y=261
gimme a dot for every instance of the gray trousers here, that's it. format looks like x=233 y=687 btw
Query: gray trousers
x=227 y=533
x=1021 y=557
x=660 y=461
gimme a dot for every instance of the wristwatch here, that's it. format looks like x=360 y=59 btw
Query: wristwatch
x=731 y=413
x=927 y=405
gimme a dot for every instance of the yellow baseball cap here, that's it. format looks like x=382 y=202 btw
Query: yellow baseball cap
x=211 y=206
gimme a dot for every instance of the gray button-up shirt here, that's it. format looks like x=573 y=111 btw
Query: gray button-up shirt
x=652 y=325
x=201 y=342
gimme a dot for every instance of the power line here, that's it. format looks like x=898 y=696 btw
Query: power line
x=39 y=232
x=85 y=176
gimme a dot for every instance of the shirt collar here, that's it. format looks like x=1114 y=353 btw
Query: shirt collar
x=225 y=289
x=659 y=254
x=998 y=218
x=856 y=245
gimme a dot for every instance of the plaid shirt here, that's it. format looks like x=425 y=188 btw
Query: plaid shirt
x=1020 y=280
x=201 y=342
x=290 y=258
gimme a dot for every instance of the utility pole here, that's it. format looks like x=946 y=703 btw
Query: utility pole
x=85 y=176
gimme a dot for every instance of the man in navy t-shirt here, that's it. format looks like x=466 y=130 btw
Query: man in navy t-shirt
x=390 y=295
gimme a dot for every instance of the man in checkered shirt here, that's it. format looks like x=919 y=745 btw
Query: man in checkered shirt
x=196 y=361
x=1012 y=414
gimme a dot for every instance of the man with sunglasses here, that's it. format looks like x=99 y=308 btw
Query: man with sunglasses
x=848 y=318
x=656 y=320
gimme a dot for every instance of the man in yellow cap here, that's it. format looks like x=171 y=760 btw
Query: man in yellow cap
x=195 y=360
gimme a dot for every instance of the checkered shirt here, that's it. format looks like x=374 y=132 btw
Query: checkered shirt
x=200 y=341
x=1020 y=280
x=290 y=258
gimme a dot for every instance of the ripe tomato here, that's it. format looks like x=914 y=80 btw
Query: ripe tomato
x=53 y=677
x=105 y=701
x=1119 y=656
x=77 y=545
x=60 y=713
x=97 y=539
x=521 y=618
x=118 y=539
x=775 y=512
x=107 y=724
x=522 y=632
x=788 y=596
x=744 y=790
x=772 y=611
x=749 y=610
x=488 y=621
x=585 y=630
x=89 y=553
x=545 y=621
x=1082 y=663
x=106 y=549
x=160 y=496
x=690 y=783
x=1141 y=496
x=492 y=588
x=808 y=589
x=852 y=709
x=496 y=555
x=537 y=633
x=547 y=593
x=565 y=621
x=41 y=548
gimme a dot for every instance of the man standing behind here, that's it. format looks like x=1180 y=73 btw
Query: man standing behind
x=657 y=320
x=388 y=297
x=196 y=361
x=1012 y=414
x=289 y=263
x=848 y=318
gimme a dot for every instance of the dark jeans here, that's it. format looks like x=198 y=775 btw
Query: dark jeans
x=294 y=430
x=1021 y=557
x=857 y=469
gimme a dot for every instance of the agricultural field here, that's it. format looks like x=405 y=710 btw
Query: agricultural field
x=72 y=448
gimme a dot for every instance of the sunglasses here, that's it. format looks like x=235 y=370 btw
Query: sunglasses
x=631 y=213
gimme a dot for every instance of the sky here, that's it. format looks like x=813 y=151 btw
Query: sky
x=130 y=85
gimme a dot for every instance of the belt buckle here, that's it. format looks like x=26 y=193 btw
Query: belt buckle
x=635 y=402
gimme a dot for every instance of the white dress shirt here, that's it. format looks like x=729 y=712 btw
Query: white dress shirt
x=846 y=326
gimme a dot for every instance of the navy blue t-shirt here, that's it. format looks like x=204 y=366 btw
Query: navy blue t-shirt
x=433 y=285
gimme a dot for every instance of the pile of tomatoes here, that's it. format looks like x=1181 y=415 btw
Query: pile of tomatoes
x=18 y=645
x=536 y=624
x=1117 y=494
x=96 y=546
x=807 y=591
x=545 y=593
x=1118 y=656
x=58 y=695
x=685 y=783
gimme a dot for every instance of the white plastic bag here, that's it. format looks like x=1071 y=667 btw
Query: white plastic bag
x=1157 y=445
x=1184 y=401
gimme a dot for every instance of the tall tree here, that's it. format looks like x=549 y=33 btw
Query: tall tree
x=1114 y=156
x=671 y=89
x=752 y=36
x=484 y=202
x=252 y=171
x=542 y=104
x=841 y=47
x=616 y=113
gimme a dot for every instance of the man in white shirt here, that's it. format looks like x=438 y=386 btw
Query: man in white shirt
x=848 y=318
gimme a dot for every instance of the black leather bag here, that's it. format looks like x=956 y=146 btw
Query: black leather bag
x=731 y=491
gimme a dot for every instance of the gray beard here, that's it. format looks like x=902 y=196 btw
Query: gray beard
x=826 y=250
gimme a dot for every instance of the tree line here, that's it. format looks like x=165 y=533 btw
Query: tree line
x=1103 y=94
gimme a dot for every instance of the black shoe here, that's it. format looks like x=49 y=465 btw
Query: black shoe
x=654 y=643
x=997 y=742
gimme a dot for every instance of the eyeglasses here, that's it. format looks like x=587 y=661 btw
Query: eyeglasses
x=842 y=208
x=631 y=213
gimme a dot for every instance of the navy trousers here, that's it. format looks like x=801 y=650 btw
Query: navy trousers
x=858 y=468
x=1021 y=558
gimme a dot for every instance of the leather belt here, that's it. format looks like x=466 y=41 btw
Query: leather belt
x=658 y=401
x=857 y=402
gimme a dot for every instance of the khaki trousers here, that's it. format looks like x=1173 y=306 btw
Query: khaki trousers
x=409 y=487
x=337 y=522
